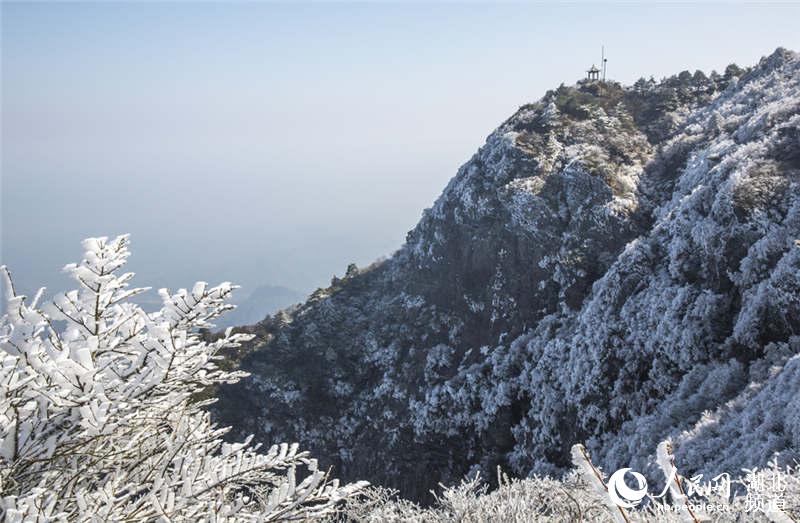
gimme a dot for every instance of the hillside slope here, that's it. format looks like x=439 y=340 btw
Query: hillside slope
x=262 y=301
x=614 y=266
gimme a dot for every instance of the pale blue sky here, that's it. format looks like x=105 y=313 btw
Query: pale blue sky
x=275 y=143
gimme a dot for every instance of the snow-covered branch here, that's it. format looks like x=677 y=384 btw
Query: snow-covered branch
x=99 y=416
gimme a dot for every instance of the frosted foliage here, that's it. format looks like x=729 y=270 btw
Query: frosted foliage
x=686 y=332
x=100 y=416
x=582 y=496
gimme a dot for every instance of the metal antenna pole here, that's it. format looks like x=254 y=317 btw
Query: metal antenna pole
x=603 y=60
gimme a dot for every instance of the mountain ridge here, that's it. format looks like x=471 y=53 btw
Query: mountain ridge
x=605 y=269
x=262 y=301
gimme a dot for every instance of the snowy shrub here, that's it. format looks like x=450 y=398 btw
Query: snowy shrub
x=582 y=496
x=100 y=416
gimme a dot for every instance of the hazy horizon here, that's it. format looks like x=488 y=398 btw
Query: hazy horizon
x=273 y=144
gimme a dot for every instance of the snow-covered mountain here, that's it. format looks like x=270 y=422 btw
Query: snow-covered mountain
x=615 y=266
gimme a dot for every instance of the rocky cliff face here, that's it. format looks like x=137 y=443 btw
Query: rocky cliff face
x=617 y=265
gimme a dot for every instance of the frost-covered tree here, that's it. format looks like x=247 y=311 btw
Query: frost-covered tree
x=100 y=416
x=769 y=495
